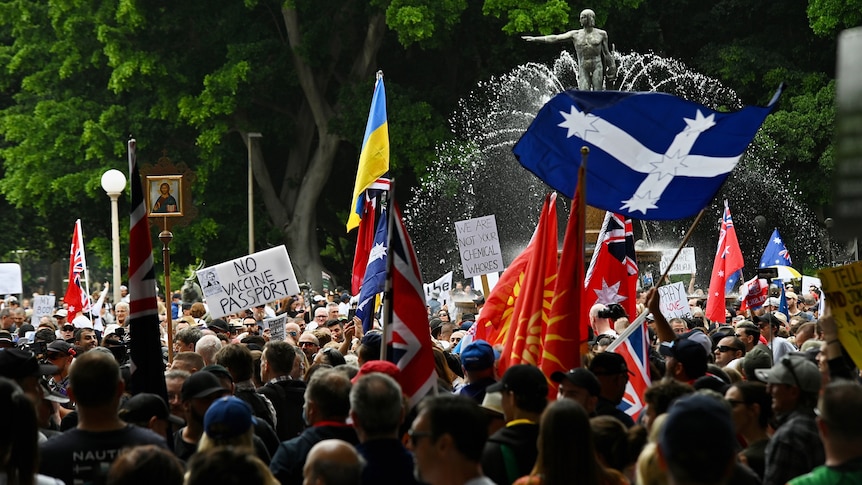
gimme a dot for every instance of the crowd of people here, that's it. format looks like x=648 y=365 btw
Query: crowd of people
x=762 y=397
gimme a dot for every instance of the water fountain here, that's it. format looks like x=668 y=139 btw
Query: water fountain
x=478 y=175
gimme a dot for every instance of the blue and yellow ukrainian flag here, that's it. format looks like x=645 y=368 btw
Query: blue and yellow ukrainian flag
x=374 y=157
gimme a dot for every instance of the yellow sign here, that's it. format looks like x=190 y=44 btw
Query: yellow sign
x=843 y=289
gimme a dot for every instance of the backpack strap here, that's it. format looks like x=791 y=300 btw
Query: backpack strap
x=510 y=462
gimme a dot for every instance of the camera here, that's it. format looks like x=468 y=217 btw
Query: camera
x=613 y=311
x=38 y=348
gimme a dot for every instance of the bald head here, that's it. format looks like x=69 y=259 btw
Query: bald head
x=333 y=462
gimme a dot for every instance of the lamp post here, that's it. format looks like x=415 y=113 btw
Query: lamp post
x=249 y=137
x=113 y=183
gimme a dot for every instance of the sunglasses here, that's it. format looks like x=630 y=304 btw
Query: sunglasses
x=726 y=348
x=308 y=344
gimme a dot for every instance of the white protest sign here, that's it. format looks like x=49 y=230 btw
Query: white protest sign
x=673 y=301
x=493 y=278
x=807 y=282
x=43 y=305
x=479 y=246
x=684 y=264
x=248 y=281
x=443 y=284
x=276 y=327
x=10 y=279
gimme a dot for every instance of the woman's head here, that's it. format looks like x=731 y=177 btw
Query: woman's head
x=18 y=439
x=565 y=444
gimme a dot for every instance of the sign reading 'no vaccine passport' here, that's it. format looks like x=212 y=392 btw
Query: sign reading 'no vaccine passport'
x=248 y=281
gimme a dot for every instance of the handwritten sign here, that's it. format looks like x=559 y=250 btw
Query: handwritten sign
x=843 y=289
x=248 y=281
x=43 y=305
x=443 y=284
x=673 y=301
x=479 y=246
x=684 y=264
x=276 y=327
x=10 y=279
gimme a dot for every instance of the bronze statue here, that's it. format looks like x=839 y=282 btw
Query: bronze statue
x=595 y=61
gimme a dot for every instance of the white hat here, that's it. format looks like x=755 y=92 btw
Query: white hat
x=112 y=328
x=319 y=298
x=81 y=322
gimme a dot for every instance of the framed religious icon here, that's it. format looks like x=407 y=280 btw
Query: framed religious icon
x=165 y=195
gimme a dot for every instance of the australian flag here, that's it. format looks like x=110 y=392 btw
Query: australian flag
x=776 y=253
x=375 y=274
x=652 y=155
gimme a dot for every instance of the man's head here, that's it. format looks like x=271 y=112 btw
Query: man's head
x=199 y=391
x=85 y=339
x=251 y=326
x=768 y=324
x=174 y=380
x=450 y=431
x=23 y=367
x=327 y=397
x=309 y=345
x=524 y=389
x=613 y=374
x=238 y=360
x=697 y=443
x=839 y=421
x=728 y=349
x=149 y=411
x=336 y=329
x=794 y=383
x=277 y=360
x=186 y=339
x=376 y=406
x=60 y=353
x=190 y=362
x=579 y=385
x=748 y=333
x=678 y=325
x=478 y=357
x=95 y=381
x=685 y=359
x=332 y=462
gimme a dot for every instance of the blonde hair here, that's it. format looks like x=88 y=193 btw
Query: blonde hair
x=245 y=440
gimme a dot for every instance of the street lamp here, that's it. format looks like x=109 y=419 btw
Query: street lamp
x=251 y=193
x=114 y=183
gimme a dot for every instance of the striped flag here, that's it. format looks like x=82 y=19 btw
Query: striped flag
x=76 y=295
x=374 y=157
x=407 y=334
x=728 y=259
x=613 y=271
x=633 y=345
x=145 y=347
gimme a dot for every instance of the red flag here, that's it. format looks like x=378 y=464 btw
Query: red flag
x=407 y=333
x=76 y=296
x=613 y=272
x=522 y=343
x=496 y=316
x=145 y=348
x=566 y=329
x=364 y=241
x=728 y=260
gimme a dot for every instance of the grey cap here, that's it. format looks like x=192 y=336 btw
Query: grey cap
x=793 y=371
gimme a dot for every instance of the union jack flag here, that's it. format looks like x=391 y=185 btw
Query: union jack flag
x=76 y=295
x=409 y=341
x=633 y=345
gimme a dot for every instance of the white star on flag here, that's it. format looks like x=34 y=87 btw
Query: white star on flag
x=377 y=252
x=721 y=272
x=609 y=294
x=777 y=240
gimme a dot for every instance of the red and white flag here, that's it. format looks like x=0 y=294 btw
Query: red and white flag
x=76 y=296
x=633 y=345
x=407 y=334
x=145 y=347
x=613 y=273
x=728 y=260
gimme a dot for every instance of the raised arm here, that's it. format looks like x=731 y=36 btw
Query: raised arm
x=550 y=39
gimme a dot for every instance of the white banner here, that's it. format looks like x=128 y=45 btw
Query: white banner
x=443 y=284
x=684 y=264
x=275 y=326
x=479 y=246
x=673 y=301
x=248 y=281
x=10 y=279
x=43 y=305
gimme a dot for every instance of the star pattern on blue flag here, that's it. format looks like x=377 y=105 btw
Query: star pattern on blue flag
x=776 y=253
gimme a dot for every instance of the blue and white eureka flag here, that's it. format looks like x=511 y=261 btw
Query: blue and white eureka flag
x=652 y=155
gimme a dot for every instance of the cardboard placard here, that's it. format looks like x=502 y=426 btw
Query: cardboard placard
x=843 y=289
x=685 y=263
x=479 y=246
x=10 y=279
x=248 y=281
x=276 y=327
x=43 y=305
x=673 y=301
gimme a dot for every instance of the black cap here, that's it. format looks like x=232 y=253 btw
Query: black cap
x=140 y=408
x=523 y=380
x=581 y=378
x=201 y=384
x=608 y=363
x=18 y=364
x=219 y=324
x=61 y=347
x=769 y=318
x=218 y=370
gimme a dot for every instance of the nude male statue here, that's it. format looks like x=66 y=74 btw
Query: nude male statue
x=591 y=45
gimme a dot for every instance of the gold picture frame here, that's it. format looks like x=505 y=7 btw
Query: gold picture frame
x=165 y=204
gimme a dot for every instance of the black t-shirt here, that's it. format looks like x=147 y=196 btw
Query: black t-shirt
x=84 y=457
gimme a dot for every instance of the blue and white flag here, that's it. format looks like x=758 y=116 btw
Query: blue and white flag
x=776 y=253
x=652 y=155
x=375 y=274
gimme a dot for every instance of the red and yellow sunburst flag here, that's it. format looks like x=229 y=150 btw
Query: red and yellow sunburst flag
x=562 y=337
x=496 y=316
x=522 y=344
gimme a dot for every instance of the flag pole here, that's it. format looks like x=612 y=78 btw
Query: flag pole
x=80 y=228
x=386 y=314
x=682 y=244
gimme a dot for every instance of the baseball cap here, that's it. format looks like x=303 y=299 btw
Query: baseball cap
x=219 y=325
x=687 y=352
x=699 y=337
x=81 y=322
x=523 y=380
x=62 y=313
x=768 y=318
x=372 y=341
x=218 y=371
x=110 y=329
x=141 y=407
x=698 y=432
x=581 y=378
x=201 y=384
x=382 y=366
x=228 y=417
x=793 y=370
x=608 y=363
x=19 y=363
x=61 y=347
x=479 y=355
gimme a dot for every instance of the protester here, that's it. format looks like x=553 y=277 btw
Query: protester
x=285 y=393
x=229 y=423
x=579 y=385
x=446 y=438
x=190 y=362
x=613 y=374
x=751 y=409
x=84 y=454
x=199 y=391
x=477 y=360
x=146 y=465
x=227 y=466
x=238 y=360
x=334 y=462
